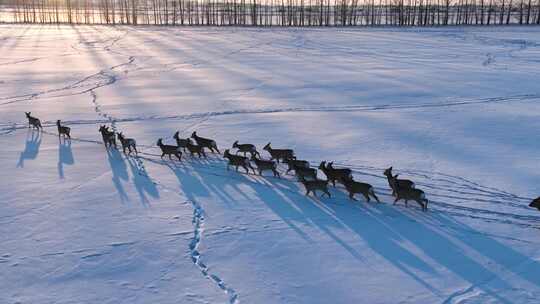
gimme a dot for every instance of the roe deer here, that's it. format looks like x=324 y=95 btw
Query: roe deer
x=205 y=142
x=245 y=148
x=128 y=143
x=278 y=154
x=181 y=142
x=535 y=203
x=293 y=163
x=335 y=174
x=237 y=161
x=109 y=138
x=63 y=130
x=33 y=121
x=407 y=194
x=195 y=149
x=265 y=165
x=169 y=150
x=314 y=185
x=402 y=183
x=302 y=173
x=354 y=187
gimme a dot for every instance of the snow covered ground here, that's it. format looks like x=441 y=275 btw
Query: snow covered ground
x=454 y=109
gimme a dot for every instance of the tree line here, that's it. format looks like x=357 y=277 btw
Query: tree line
x=273 y=12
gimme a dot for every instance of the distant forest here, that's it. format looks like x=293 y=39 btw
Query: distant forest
x=273 y=12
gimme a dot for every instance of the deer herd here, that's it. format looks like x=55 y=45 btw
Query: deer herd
x=402 y=189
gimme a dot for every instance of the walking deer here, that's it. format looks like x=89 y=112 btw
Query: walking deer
x=293 y=163
x=33 y=121
x=128 y=143
x=314 y=185
x=402 y=183
x=169 y=150
x=237 y=161
x=265 y=165
x=205 y=142
x=407 y=194
x=278 y=154
x=246 y=148
x=63 y=130
x=181 y=142
x=195 y=149
x=303 y=173
x=535 y=203
x=109 y=138
x=335 y=174
x=354 y=187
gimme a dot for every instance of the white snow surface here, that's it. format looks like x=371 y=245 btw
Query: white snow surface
x=454 y=109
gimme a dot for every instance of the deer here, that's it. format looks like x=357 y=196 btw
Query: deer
x=128 y=143
x=63 y=130
x=195 y=149
x=407 y=194
x=245 y=148
x=303 y=173
x=33 y=121
x=205 y=142
x=403 y=183
x=169 y=150
x=354 y=187
x=535 y=203
x=278 y=154
x=109 y=138
x=265 y=165
x=335 y=174
x=181 y=142
x=293 y=163
x=237 y=161
x=314 y=185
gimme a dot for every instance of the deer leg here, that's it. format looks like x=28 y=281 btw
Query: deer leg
x=162 y=154
x=179 y=155
x=375 y=197
x=327 y=193
x=407 y=203
x=397 y=199
x=366 y=196
x=307 y=192
x=351 y=196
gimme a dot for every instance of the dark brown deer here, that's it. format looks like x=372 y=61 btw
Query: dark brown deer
x=181 y=142
x=407 y=194
x=169 y=150
x=237 y=161
x=246 y=148
x=314 y=185
x=63 y=130
x=109 y=138
x=354 y=187
x=335 y=174
x=293 y=163
x=278 y=154
x=33 y=121
x=128 y=143
x=305 y=173
x=265 y=165
x=205 y=142
x=535 y=203
x=402 y=183
x=195 y=149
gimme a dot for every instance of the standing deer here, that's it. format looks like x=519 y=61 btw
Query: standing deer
x=181 y=142
x=128 y=143
x=33 y=121
x=109 y=137
x=245 y=148
x=314 y=185
x=278 y=154
x=63 y=130
x=293 y=163
x=335 y=174
x=302 y=173
x=169 y=150
x=237 y=161
x=407 y=194
x=265 y=165
x=402 y=183
x=354 y=187
x=205 y=142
